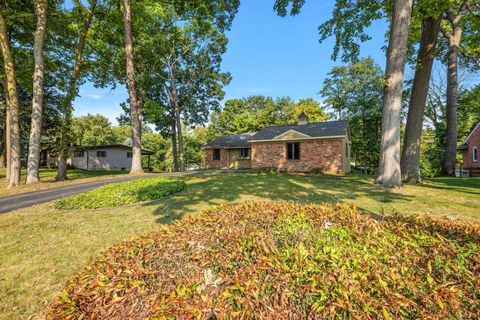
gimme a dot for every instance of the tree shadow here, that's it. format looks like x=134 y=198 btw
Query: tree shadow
x=462 y=185
x=204 y=191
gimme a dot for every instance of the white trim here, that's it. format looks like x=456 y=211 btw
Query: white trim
x=299 y=139
x=474 y=159
x=303 y=135
x=471 y=133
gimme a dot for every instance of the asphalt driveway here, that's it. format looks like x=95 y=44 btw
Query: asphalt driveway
x=27 y=199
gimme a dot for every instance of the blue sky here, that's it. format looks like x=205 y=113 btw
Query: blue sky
x=267 y=55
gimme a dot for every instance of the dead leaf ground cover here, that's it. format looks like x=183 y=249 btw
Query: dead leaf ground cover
x=280 y=260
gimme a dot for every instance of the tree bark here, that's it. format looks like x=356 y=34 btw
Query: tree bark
x=135 y=108
x=181 y=156
x=65 y=136
x=174 y=147
x=450 y=155
x=8 y=137
x=37 y=101
x=15 y=153
x=410 y=163
x=389 y=164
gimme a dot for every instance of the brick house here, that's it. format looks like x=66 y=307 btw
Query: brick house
x=304 y=147
x=470 y=152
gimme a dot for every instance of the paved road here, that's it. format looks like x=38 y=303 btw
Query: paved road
x=28 y=199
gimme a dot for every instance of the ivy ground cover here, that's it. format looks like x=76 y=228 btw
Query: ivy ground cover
x=280 y=260
x=123 y=193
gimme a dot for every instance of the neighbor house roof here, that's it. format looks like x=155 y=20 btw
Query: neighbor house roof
x=241 y=140
x=312 y=130
x=477 y=127
x=109 y=146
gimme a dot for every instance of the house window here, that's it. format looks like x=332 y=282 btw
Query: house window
x=474 y=154
x=347 y=152
x=293 y=151
x=101 y=154
x=244 y=153
x=78 y=154
x=129 y=154
x=216 y=154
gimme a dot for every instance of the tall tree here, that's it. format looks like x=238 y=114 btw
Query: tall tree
x=354 y=93
x=410 y=162
x=37 y=101
x=12 y=105
x=65 y=135
x=453 y=36
x=389 y=164
x=135 y=103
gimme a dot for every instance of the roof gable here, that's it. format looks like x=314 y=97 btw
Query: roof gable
x=291 y=134
x=477 y=127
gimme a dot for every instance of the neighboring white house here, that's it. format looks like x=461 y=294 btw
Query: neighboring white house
x=104 y=157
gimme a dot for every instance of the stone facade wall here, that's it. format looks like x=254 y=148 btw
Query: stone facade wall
x=216 y=164
x=326 y=155
x=474 y=141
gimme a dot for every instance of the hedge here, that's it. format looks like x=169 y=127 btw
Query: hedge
x=123 y=193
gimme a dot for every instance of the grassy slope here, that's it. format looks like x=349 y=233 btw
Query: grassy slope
x=47 y=176
x=41 y=247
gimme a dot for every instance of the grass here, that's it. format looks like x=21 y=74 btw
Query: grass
x=123 y=193
x=279 y=260
x=47 y=177
x=40 y=247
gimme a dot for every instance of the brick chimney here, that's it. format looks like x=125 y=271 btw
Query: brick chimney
x=302 y=119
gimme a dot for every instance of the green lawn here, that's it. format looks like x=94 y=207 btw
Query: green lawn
x=41 y=247
x=47 y=177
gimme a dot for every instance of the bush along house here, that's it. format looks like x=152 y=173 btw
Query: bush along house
x=469 y=149
x=304 y=147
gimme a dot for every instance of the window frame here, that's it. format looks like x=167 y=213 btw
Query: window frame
x=475 y=154
x=215 y=156
x=244 y=153
x=76 y=154
x=101 y=153
x=129 y=154
x=295 y=151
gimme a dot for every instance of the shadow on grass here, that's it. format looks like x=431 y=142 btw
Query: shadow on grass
x=462 y=185
x=205 y=191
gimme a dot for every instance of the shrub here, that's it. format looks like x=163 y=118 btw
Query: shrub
x=279 y=260
x=123 y=193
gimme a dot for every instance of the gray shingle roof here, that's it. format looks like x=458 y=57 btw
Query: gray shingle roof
x=314 y=130
x=241 y=140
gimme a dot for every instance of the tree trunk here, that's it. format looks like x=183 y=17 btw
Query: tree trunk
x=181 y=156
x=389 y=164
x=65 y=136
x=8 y=137
x=410 y=163
x=15 y=153
x=37 y=101
x=62 y=168
x=449 y=158
x=135 y=111
x=174 y=147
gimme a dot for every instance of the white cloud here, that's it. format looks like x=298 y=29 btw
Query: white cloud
x=94 y=96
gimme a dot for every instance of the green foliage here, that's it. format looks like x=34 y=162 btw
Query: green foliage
x=123 y=193
x=354 y=93
x=92 y=130
x=158 y=145
x=255 y=112
x=280 y=260
x=468 y=112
